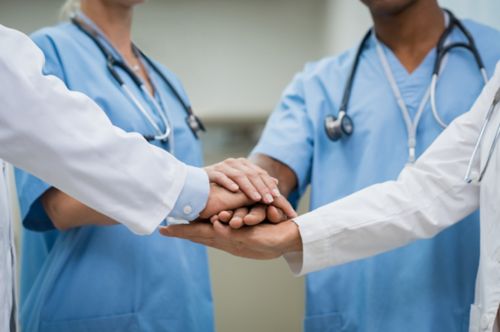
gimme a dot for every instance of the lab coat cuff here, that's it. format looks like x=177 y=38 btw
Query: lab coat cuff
x=314 y=255
x=193 y=197
x=294 y=261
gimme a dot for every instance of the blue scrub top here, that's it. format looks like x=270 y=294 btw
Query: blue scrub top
x=425 y=286
x=106 y=278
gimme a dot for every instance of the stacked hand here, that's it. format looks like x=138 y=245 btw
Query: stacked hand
x=245 y=214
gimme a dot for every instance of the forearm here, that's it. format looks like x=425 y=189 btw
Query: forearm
x=65 y=212
x=285 y=175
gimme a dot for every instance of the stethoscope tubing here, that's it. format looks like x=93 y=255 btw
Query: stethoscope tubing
x=487 y=119
x=490 y=154
x=442 y=50
x=411 y=124
x=112 y=62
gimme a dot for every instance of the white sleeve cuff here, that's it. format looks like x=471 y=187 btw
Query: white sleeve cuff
x=194 y=195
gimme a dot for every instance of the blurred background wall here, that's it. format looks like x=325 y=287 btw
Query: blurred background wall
x=235 y=57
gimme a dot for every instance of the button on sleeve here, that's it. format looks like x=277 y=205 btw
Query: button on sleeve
x=194 y=195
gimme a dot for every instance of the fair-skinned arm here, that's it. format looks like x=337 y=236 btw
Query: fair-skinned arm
x=66 y=213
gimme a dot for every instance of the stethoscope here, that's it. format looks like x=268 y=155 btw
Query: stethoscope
x=468 y=174
x=340 y=126
x=194 y=123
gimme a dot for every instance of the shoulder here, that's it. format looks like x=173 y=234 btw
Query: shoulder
x=55 y=35
x=327 y=73
x=55 y=42
x=481 y=31
x=487 y=40
x=330 y=65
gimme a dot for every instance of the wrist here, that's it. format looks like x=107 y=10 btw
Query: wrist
x=212 y=202
x=293 y=240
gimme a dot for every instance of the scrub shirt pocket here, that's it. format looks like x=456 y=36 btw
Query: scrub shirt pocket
x=118 y=323
x=331 y=322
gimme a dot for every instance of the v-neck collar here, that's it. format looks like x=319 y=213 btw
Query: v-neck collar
x=102 y=36
x=400 y=71
x=414 y=85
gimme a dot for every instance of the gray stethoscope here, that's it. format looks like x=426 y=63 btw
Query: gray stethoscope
x=493 y=106
x=342 y=125
x=194 y=123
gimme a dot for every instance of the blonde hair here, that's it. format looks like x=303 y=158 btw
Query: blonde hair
x=69 y=8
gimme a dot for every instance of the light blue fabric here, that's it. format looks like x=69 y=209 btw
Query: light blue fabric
x=106 y=278
x=426 y=286
x=193 y=196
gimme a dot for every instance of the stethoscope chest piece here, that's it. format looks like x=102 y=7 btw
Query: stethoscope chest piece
x=337 y=128
x=195 y=124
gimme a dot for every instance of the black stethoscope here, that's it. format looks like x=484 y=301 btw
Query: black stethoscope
x=194 y=123
x=340 y=126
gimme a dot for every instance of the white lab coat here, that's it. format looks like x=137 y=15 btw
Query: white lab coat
x=428 y=197
x=64 y=138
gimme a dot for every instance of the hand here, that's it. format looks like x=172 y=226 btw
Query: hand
x=264 y=241
x=221 y=199
x=251 y=216
x=241 y=174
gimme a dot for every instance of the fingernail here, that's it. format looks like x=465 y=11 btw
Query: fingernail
x=256 y=196
x=234 y=187
x=276 y=193
x=268 y=198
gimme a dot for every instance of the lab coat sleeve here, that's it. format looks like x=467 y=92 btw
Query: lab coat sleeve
x=79 y=151
x=30 y=189
x=428 y=197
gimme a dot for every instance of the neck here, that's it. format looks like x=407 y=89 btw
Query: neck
x=114 y=20
x=411 y=33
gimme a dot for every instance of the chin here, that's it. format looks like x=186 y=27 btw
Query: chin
x=388 y=7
